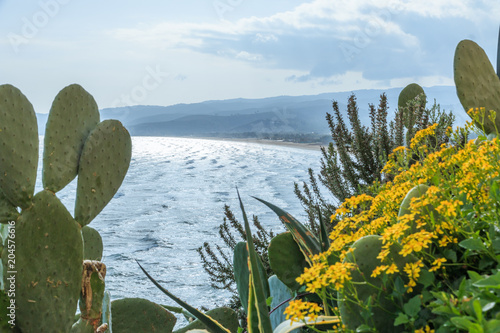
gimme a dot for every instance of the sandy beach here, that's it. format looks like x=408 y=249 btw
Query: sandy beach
x=309 y=146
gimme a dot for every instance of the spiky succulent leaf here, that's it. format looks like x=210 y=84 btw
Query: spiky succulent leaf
x=308 y=243
x=212 y=325
x=224 y=316
x=242 y=273
x=256 y=284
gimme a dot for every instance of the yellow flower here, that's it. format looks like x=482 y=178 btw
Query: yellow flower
x=392 y=269
x=298 y=310
x=378 y=270
x=437 y=264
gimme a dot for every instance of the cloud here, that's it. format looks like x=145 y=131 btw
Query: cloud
x=381 y=39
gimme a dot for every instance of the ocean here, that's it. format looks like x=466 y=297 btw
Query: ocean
x=172 y=200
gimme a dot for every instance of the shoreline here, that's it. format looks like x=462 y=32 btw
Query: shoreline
x=308 y=146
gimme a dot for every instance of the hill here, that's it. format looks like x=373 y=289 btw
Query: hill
x=275 y=117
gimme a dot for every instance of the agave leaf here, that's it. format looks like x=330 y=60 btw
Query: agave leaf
x=212 y=325
x=288 y=325
x=256 y=285
x=323 y=236
x=308 y=243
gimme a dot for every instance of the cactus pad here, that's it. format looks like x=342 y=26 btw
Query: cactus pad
x=8 y=211
x=92 y=244
x=410 y=92
x=365 y=253
x=477 y=83
x=91 y=298
x=18 y=146
x=415 y=192
x=224 y=316
x=136 y=315
x=49 y=266
x=286 y=259
x=103 y=164
x=73 y=115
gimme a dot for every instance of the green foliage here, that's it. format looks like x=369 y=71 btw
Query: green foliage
x=217 y=262
x=353 y=161
x=368 y=299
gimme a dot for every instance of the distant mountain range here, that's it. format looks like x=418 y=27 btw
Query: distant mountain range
x=283 y=115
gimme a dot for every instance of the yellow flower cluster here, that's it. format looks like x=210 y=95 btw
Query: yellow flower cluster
x=436 y=218
x=298 y=310
x=321 y=275
x=427 y=329
x=457 y=176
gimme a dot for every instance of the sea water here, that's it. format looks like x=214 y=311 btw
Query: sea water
x=171 y=202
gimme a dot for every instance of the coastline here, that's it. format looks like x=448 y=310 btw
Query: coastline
x=308 y=146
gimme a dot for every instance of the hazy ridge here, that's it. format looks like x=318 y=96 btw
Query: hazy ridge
x=240 y=117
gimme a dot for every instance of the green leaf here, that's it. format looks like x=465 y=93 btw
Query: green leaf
x=476 y=305
x=473 y=244
x=269 y=300
x=256 y=281
x=211 y=324
x=308 y=243
x=466 y=324
x=489 y=282
x=426 y=278
x=323 y=236
x=364 y=328
x=474 y=276
x=451 y=255
x=413 y=306
x=401 y=319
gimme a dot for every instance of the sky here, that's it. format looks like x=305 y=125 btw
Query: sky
x=164 y=52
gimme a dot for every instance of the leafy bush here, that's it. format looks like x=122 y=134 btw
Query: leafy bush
x=449 y=237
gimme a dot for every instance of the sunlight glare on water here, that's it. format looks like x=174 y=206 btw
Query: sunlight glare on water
x=172 y=200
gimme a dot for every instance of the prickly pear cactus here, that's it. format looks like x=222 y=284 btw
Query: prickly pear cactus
x=365 y=253
x=19 y=146
x=92 y=244
x=477 y=83
x=103 y=165
x=136 y=315
x=224 y=316
x=49 y=242
x=286 y=259
x=73 y=115
x=49 y=266
x=8 y=211
x=409 y=93
x=415 y=192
